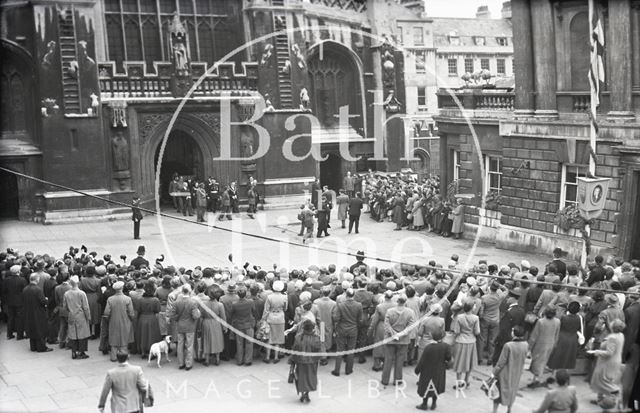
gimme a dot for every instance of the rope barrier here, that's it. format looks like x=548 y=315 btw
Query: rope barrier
x=297 y=244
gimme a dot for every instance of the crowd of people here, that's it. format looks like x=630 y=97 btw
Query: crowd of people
x=433 y=317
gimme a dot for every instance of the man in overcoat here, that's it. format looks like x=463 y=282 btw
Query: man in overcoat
x=76 y=305
x=119 y=313
x=35 y=315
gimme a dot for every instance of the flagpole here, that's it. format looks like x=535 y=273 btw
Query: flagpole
x=593 y=105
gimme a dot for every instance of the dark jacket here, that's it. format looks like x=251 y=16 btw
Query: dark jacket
x=139 y=261
x=34 y=310
x=355 y=207
x=12 y=290
x=242 y=315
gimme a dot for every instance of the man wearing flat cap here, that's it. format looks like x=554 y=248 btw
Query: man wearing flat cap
x=396 y=321
x=120 y=313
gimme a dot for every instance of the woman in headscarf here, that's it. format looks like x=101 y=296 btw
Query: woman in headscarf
x=162 y=293
x=418 y=212
x=147 y=327
x=274 y=308
x=305 y=365
x=397 y=205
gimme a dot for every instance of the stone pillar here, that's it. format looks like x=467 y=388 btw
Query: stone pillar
x=544 y=58
x=523 y=58
x=635 y=45
x=618 y=46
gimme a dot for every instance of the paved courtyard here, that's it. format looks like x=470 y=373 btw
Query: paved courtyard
x=52 y=382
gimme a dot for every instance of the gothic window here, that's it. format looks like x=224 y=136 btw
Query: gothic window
x=13 y=103
x=5 y=104
x=17 y=101
x=138 y=29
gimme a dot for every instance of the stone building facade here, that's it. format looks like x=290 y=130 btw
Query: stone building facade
x=530 y=145
x=90 y=90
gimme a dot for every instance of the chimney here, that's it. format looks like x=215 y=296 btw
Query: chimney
x=483 y=12
x=506 y=10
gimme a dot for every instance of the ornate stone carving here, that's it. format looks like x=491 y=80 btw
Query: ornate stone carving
x=118 y=113
x=148 y=122
x=120 y=152
x=211 y=119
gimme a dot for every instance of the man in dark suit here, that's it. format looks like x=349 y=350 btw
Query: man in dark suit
x=12 y=287
x=140 y=261
x=347 y=316
x=136 y=217
x=35 y=315
x=242 y=319
x=355 y=209
x=126 y=383
x=514 y=316
x=315 y=188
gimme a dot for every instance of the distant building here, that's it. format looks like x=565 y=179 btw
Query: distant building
x=534 y=141
x=439 y=51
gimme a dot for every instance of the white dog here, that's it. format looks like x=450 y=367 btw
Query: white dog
x=158 y=348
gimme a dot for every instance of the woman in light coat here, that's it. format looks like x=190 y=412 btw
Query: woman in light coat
x=274 y=308
x=607 y=375
x=342 y=200
x=509 y=369
x=457 y=228
x=542 y=340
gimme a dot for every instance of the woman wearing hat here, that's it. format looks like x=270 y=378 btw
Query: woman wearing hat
x=147 y=327
x=274 y=308
x=212 y=329
x=91 y=286
x=306 y=366
x=566 y=350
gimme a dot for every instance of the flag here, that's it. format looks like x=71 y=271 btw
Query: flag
x=596 y=67
x=596 y=77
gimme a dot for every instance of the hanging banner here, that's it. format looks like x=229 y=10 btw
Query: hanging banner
x=592 y=195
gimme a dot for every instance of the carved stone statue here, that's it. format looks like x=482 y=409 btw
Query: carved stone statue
x=304 y=99
x=120 y=151
x=246 y=145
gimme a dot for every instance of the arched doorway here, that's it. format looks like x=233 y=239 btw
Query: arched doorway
x=182 y=155
x=331 y=172
x=420 y=166
x=9 y=202
x=336 y=80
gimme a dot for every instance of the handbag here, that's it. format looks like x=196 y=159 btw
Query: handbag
x=490 y=388
x=409 y=215
x=581 y=339
x=292 y=373
x=530 y=318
